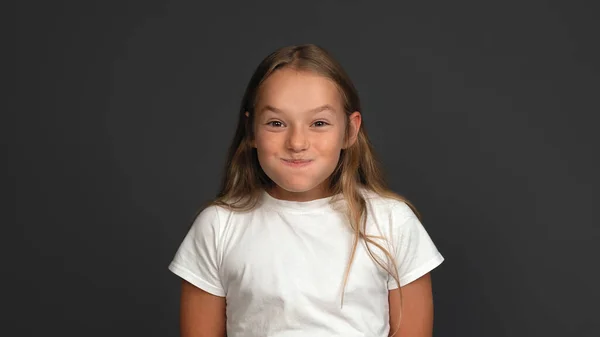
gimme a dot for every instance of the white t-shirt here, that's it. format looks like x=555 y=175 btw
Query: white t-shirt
x=281 y=266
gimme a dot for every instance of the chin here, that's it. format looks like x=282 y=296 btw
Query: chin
x=297 y=185
x=297 y=182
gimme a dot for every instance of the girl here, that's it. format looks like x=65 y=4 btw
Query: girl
x=304 y=238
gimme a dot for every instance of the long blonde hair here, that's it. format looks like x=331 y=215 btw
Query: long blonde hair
x=357 y=169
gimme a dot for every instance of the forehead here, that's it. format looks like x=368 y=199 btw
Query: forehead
x=297 y=90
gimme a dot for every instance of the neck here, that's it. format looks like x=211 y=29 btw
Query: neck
x=316 y=193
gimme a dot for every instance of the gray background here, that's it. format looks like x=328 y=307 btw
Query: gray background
x=482 y=112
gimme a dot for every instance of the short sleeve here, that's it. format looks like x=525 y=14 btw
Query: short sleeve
x=413 y=249
x=197 y=259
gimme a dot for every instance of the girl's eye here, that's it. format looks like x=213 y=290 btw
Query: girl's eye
x=275 y=123
x=320 y=123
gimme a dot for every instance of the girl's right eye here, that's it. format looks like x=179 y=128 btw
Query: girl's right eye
x=275 y=124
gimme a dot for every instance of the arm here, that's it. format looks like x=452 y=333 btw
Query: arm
x=202 y=314
x=417 y=309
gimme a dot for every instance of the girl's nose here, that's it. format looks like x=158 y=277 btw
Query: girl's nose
x=297 y=139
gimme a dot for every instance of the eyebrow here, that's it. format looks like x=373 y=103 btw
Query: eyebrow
x=325 y=107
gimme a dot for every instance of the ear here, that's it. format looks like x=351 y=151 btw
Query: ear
x=354 y=122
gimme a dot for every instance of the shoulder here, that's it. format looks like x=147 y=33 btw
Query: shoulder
x=209 y=220
x=210 y=214
x=218 y=213
x=219 y=219
x=390 y=216
x=387 y=206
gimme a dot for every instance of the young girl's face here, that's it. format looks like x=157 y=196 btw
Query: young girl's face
x=300 y=130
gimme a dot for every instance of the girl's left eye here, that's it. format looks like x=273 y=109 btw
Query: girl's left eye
x=320 y=123
x=275 y=124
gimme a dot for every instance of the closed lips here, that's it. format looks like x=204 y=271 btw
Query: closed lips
x=297 y=161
